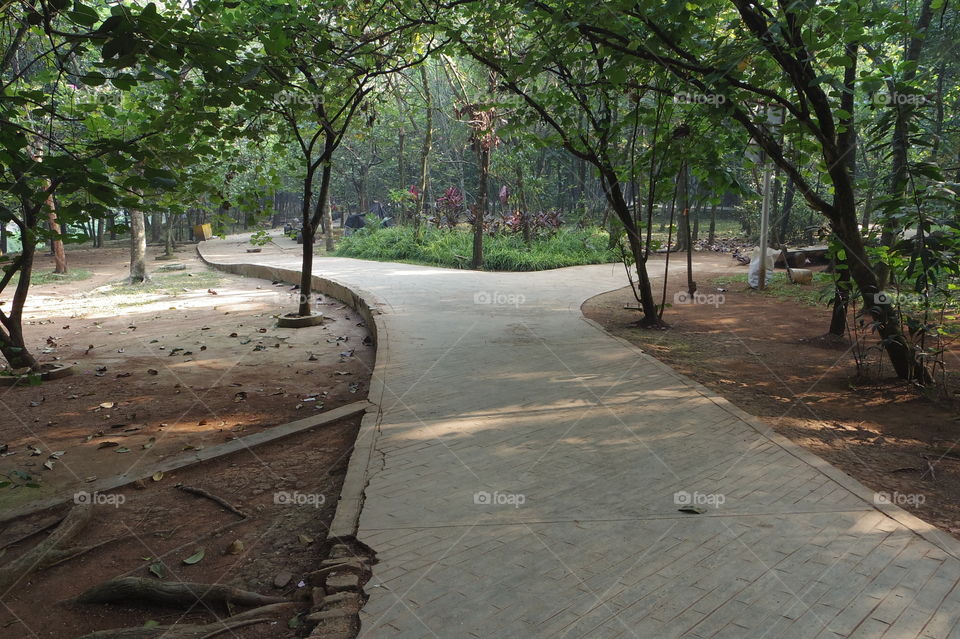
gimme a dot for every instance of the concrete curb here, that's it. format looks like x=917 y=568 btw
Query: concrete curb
x=927 y=531
x=347 y=517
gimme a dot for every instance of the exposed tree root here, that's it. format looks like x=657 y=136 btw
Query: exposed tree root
x=51 y=550
x=172 y=593
x=200 y=492
x=274 y=612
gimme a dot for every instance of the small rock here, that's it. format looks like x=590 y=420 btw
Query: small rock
x=282 y=579
x=343 y=582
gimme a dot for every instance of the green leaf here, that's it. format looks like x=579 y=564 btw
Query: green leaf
x=195 y=558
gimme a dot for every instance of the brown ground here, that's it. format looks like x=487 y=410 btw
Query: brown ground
x=235 y=375
x=766 y=356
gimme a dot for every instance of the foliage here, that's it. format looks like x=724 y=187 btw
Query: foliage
x=501 y=252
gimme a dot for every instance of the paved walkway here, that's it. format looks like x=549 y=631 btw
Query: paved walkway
x=527 y=476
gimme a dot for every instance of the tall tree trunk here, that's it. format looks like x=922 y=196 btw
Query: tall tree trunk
x=614 y=193
x=424 y=205
x=308 y=231
x=711 y=238
x=56 y=244
x=324 y=203
x=841 y=300
x=788 y=194
x=12 y=344
x=480 y=211
x=138 y=248
x=524 y=213
x=3 y=238
x=900 y=141
x=168 y=240
x=156 y=225
x=402 y=172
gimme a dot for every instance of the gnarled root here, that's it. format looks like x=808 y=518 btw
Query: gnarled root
x=172 y=593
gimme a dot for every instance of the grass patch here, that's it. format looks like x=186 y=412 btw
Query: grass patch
x=454 y=249
x=49 y=277
x=778 y=286
x=161 y=284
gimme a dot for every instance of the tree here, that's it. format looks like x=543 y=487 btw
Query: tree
x=794 y=57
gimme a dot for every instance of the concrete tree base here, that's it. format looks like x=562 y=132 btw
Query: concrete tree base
x=50 y=372
x=299 y=321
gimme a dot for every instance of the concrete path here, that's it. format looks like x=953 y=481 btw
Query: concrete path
x=528 y=473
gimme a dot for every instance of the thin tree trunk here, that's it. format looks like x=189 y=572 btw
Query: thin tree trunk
x=712 y=233
x=169 y=243
x=138 y=248
x=56 y=244
x=480 y=211
x=308 y=232
x=424 y=206
x=402 y=171
x=841 y=300
x=900 y=141
x=324 y=204
x=787 y=207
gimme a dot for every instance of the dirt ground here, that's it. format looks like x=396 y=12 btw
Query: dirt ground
x=767 y=356
x=191 y=360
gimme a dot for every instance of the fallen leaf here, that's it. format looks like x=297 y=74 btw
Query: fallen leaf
x=108 y=444
x=194 y=558
x=156 y=570
x=107 y=405
x=157 y=476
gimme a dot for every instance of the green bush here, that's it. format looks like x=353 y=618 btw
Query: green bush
x=454 y=249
